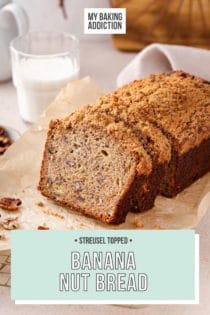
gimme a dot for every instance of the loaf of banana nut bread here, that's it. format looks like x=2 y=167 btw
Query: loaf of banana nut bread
x=178 y=104
x=151 y=136
x=94 y=165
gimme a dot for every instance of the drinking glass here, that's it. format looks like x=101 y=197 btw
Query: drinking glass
x=42 y=63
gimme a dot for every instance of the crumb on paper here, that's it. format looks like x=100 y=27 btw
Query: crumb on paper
x=82 y=225
x=10 y=204
x=53 y=213
x=138 y=223
x=157 y=227
x=43 y=227
x=40 y=204
x=2 y=237
x=10 y=223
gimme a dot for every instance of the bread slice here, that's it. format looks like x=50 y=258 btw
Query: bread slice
x=93 y=165
x=155 y=143
x=157 y=151
x=178 y=104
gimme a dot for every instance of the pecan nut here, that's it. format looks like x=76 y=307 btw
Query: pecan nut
x=11 y=223
x=10 y=204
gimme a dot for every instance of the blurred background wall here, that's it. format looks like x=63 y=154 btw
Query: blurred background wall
x=47 y=15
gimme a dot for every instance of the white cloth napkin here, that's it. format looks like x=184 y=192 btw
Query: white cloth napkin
x=163 y=58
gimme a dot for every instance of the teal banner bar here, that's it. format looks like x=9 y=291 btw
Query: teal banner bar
x=104 y=265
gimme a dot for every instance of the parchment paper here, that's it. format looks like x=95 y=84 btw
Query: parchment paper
x=19 y=175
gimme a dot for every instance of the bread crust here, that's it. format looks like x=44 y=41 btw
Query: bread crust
x=178 y=104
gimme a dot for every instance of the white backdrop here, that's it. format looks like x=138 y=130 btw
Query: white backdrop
x=46 y=15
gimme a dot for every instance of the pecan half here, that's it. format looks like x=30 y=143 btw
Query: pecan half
x=2 y=149
x=10 y=204
x=43 y=227
x=5 y=140
x=10 y=223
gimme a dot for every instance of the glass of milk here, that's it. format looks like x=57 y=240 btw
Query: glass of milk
x=42 y=63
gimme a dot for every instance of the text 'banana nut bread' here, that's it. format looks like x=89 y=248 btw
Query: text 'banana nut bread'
x=93 y=165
